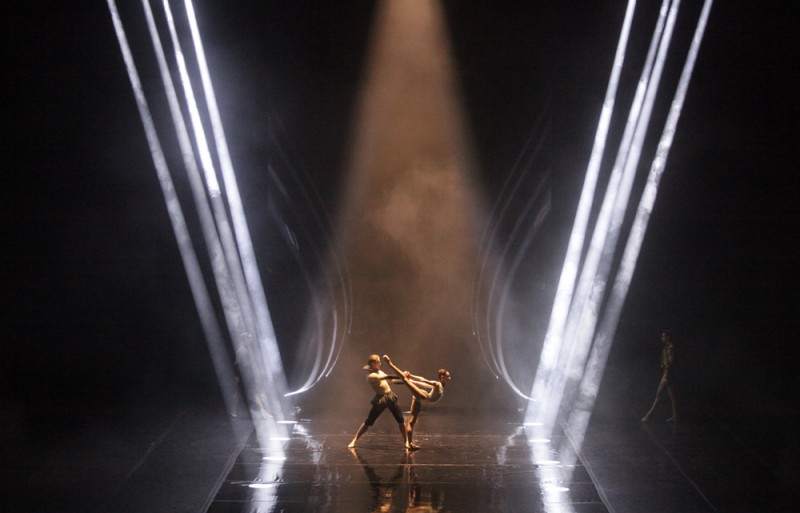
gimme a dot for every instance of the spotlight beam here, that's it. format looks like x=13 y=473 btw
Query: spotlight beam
x=586 y=304
x=213 y=334
x=256 y=296
x=224 y=262
x=591 y=262
x=553 y=338
x=595 y=367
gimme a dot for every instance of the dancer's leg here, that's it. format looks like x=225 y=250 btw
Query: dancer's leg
x=416 y=406
x=409 y=383
x=398 y=416
x=661 y=386
x=674 y=417
x=361 y=430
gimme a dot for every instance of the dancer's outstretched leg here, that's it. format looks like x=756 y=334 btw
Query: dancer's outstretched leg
x=361 y=430
x=417 y=391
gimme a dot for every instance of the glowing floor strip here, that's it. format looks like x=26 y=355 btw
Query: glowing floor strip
x=552 y=343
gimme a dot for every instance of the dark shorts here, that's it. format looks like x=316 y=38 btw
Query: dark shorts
x=380 y=403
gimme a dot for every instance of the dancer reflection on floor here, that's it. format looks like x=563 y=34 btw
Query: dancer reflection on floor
x=384 y=398
x=423 y=390
x=384 y=494
x=667 y=356
x=419 y=499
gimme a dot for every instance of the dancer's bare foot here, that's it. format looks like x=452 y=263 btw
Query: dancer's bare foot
x=351 y=445
x=413 y=447
x=646 y=418
x=674 y=418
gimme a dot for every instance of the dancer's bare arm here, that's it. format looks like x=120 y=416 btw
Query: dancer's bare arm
x=392 y=365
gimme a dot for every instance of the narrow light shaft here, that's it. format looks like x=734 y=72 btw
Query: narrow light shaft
x=205 y=310
x=605 y=334
x=597 y=242
x=603 y=244
x=229 y=250
x=566 y=283
x=589 y=317
x=246 y=252
x=221 y=264
x=236 y=304
x=222 y=252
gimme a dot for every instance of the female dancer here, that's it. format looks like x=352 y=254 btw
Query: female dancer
x=422 y=390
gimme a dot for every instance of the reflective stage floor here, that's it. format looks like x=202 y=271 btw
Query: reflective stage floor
x=490 y=465
x=191 y=457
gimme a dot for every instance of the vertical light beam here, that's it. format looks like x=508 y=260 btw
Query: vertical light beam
x=607 y=228
x=581 y=412
x=205 y=309
x=252 y=277
x=553 y=338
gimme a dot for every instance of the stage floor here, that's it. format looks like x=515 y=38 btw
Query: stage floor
x=464 y=465
x=195 y=458
x=493 y=463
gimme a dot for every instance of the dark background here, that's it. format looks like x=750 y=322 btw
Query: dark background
x=98 y=313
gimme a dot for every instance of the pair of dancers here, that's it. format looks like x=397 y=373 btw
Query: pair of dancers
x=422 y=389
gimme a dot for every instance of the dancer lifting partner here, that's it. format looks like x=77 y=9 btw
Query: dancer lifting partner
x=423 y=390
x=384 y=398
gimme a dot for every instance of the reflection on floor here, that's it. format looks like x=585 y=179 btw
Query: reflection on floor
x=191 y=456
x=492 y=465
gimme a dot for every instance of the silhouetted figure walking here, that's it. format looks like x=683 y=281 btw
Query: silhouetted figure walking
x=667 y=356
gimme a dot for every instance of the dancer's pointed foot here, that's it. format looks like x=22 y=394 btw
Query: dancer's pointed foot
x=674 y=418
x=646 y=418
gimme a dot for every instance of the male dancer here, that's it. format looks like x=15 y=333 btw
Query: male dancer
x=422 y=390
x=384 y=398
x=667 y=355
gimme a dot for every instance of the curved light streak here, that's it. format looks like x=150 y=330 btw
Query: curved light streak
x=501 y=207
x=531 y=233
x=319 y=309
x=498 y=274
